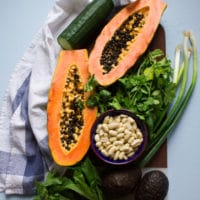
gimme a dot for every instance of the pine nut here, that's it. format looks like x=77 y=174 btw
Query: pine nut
x=113 y=125
x=117 y=119
x=130 y=154
x=105 y=127
x=113 y=133
x=121 y=129
x=139 y=134
x=104 y=152
x=116 y=143
x=108 y=147
x=131 y=120
x=126 y=137
x=131 y=140
x=106 y=120
x=112 y=139
x=98 y=144
x=97 y=138
x=98 y=128
x=118 y=137
x=101 y=132
x=116 y=156
x=111 y=151
x=121 y=155
x=124 y=120
x=128 y=132
x=136 y=143
x=129 y=126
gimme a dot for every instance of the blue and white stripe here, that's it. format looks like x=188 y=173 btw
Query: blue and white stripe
x=24 y=152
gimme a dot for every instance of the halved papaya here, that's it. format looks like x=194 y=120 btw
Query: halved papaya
x=69 y=120
x=124 y=39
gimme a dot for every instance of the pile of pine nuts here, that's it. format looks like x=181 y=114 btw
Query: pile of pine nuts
x=118 y=137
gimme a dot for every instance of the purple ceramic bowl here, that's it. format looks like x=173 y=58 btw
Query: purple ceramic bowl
x=140 y=124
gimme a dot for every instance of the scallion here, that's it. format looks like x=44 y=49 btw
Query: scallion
x=181 y=101
x=177 y=64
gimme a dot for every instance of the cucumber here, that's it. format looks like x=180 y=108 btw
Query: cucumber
x=79 y=32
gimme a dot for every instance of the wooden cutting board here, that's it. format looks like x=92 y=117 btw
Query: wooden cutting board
x=158 y=42
x=160 y=158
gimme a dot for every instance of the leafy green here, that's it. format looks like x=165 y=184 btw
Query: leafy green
x=184 y=94
x=91 y=84
x=82 y=182
x=146 y=90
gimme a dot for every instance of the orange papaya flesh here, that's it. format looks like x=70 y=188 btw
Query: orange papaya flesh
x=68 y=119
x=124 y=39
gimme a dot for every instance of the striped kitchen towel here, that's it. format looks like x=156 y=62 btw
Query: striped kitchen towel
x=24 y=153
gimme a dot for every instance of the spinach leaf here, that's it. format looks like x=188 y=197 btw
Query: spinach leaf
x=82 y=183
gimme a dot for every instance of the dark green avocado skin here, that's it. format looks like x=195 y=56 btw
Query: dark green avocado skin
x=153 y=186
x=121 y=182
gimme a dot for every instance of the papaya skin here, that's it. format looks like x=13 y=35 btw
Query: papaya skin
x=136 y=49
x=62 y=157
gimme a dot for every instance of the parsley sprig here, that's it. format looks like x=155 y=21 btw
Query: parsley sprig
x=147 y=89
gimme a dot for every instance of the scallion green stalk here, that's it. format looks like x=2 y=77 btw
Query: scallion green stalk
x=181 y=101
x=181 y=68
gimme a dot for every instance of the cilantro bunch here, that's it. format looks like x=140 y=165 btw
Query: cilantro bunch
x=146 y=89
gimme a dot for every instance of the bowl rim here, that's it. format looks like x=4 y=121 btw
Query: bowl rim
x=141 y=124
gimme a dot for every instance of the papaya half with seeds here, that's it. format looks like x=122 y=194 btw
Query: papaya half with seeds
x=68 y=119
x=124 y=39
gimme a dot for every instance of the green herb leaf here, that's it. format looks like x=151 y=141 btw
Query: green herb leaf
x=149 y=73
x=146 y=91
x=91 y=84
x=42 y=191
x=83 y=181
x=52 y=180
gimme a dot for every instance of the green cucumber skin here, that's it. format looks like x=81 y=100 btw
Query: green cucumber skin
x=79 y=31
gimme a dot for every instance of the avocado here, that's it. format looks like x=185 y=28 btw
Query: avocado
x=121 y=181
x=153 y=186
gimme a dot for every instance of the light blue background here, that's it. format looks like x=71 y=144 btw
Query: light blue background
x=20 y=21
